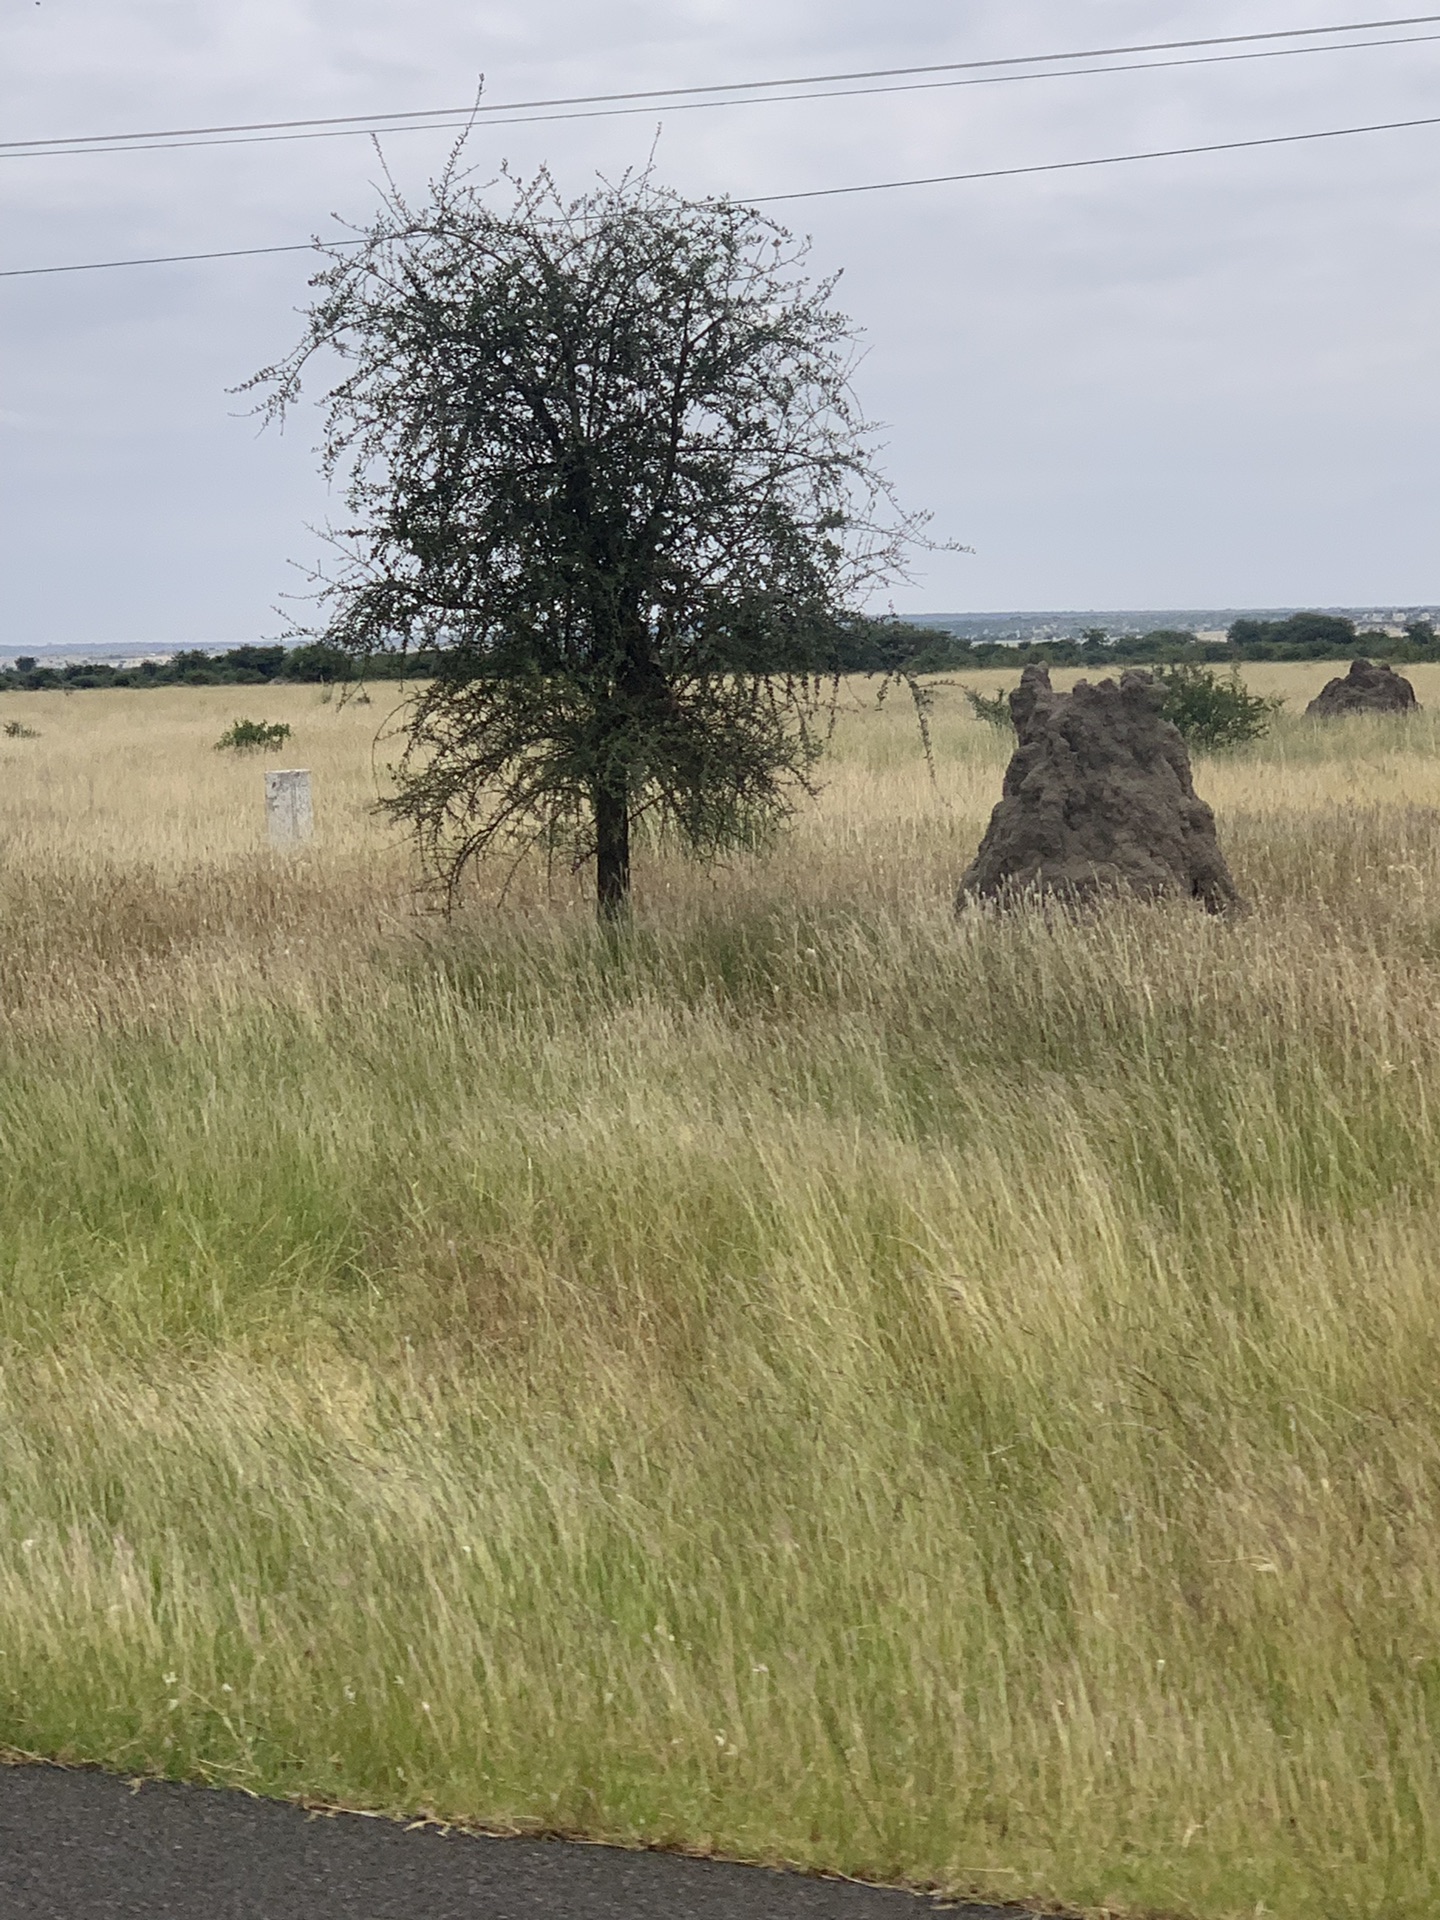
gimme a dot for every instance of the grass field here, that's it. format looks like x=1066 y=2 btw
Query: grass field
x=951 y=1403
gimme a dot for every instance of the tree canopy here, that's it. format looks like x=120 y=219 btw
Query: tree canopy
x=604 y=466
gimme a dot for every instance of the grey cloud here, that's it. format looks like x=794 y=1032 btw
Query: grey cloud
x=1203 y=381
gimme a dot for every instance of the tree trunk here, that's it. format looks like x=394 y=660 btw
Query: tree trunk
x=612 y=851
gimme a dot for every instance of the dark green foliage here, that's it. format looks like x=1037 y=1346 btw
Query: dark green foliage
x=1163 y=643
x=246 y=666
x=602 y=460
x=992 y=708
x=1301 y=636
x=1329 y=636
x=317 y=661
x=850 y=643
x=263 y=662
x=249 y=736
x=938 y=650
x=1210 y=712
x=863 y=643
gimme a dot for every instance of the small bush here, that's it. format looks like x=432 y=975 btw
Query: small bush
x=17 y=730
x=247 y=736
x=1212 y=712
x=992 y=708
x=1208 y=711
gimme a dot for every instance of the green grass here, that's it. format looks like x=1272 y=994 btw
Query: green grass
x=943 y=1403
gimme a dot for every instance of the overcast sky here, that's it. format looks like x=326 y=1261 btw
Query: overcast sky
x=1209 y=381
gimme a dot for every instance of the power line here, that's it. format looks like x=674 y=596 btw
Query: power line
x=807 y=193
x=1104 y=160
x=170 y=259
x=367 y=122
x=694 y=106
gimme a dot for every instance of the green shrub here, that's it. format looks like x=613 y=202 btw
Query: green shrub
x=992 y=708
x=246 y=736
x=1211 y=711
x=17 y=730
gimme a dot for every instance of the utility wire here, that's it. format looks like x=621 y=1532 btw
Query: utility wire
x=367 y=122
x=695 y=106
x=172 y=259
x=1103 y=160
x=808 y=193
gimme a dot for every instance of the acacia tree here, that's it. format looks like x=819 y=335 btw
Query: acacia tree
x=604 y=470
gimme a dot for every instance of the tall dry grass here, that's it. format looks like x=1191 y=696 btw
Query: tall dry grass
x=940 y=1402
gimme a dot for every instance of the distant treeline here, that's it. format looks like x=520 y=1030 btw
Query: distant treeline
x=1301 y=636
x=236 y=667
x=853 y=646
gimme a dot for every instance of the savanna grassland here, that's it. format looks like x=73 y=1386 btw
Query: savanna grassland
x=954 y=1403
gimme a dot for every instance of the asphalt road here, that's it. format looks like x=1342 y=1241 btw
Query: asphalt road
x=77 y=1845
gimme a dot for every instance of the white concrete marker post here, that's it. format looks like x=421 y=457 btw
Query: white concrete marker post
x=287 y=806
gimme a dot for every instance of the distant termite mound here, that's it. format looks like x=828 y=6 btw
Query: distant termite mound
x=1371 y=686
x=1098 y=799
